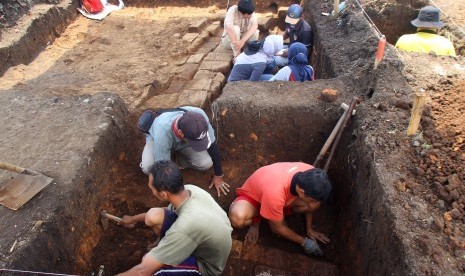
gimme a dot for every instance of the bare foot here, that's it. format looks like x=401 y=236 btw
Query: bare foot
x=252 y=235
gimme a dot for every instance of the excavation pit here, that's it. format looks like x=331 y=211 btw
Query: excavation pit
x=378 y=218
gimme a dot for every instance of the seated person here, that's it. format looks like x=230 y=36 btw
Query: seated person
x=297 y=30
x=277 y=190
x=188 y=244
x=426 y=40
x=250 y=64
x=298 y=68
x=240 y=26
x=188 y=134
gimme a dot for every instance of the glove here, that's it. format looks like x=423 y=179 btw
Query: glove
x=311 y=247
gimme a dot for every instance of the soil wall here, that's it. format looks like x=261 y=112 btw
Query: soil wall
x=266 y=122
x=346 y=47
x=84 y=139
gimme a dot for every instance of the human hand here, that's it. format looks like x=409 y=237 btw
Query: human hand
x=238 y=45
x=317 y=236
x=311 y=247
x=127 y=222
x=220 y=185
x=285 y=53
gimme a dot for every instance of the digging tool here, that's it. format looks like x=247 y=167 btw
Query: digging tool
x=333 y=134
x=104 y=219
x=15 y=192
x=339 y=133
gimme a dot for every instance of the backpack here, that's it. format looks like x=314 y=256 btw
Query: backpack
x=92 y=6
x=148 y=116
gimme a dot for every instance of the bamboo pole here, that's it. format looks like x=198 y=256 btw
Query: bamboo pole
x=336 y=8
x=417 y=110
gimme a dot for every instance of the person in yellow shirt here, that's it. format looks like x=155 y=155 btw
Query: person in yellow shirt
x=426 y=40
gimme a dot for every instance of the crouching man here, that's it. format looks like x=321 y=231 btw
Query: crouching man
x=195 y=233
x=277 y=190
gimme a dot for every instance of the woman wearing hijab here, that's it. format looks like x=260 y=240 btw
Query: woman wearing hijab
x=298 y=68
x=250 y=64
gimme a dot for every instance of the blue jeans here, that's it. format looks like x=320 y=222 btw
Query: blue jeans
x=266 y=77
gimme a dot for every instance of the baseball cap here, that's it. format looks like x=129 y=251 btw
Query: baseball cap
x=294 y=13
x=194 y=126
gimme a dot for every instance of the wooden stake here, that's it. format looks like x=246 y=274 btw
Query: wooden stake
x=417 y=110
x=336 y=8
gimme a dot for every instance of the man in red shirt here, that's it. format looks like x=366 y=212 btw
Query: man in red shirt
x=277 y=190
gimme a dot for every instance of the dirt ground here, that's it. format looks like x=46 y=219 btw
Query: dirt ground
x=133 y=47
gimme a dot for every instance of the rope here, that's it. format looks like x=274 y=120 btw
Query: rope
x=369 y=19
x=450 y=18
x=34 y=272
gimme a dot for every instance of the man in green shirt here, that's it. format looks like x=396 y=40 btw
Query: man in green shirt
x=194 y=231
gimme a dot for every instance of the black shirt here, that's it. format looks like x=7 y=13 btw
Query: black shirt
x=302 y=32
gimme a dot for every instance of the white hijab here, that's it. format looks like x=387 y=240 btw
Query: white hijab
x=272 y=45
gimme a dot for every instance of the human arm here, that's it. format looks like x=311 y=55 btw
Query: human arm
x=130 y=221
x=312 y=233
x=257 y=71
x=147 y=267
x=217 y=181
x=248 y=34
x=307 y=38
x=280 y=227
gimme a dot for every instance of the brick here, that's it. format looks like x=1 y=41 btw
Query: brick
x=204 y=74
x=215 y=89
x=192 y=98
x=221 y=49
x=181 y=61
x=199 y=84
x=189 y=37
x=161 y=101
x=213 y=29
x=197 y=26
x=219 y=77
x=207 y=47
x=195 y=45
x=220 y=56
x=204 y=35
x=329 y=95
x=197 y=58
x=176 y=86
x=186 y=71
x=216 y=66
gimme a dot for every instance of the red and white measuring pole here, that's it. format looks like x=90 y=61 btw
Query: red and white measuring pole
x=380 y=51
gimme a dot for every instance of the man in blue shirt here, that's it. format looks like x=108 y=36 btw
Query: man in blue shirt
x=187 y=133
